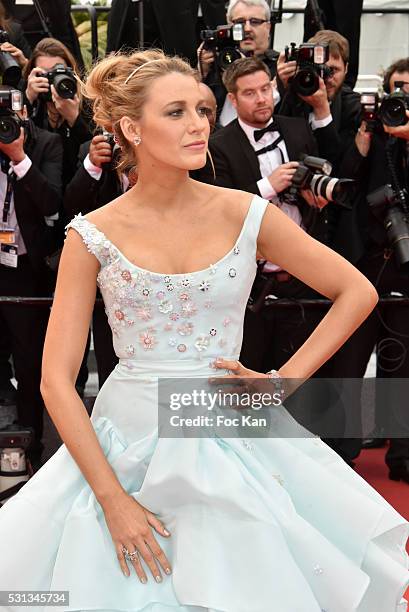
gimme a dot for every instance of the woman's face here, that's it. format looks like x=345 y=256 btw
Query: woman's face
x=46 y=62
x=174 y=128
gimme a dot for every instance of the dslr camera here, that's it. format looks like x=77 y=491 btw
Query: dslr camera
x=313 y=173
x=311 y=60
x=390 y=206
x=11 y=101
x=64 y=81
x=370 y=105
x=9 y=67
x=392 y=111
x=224 y=41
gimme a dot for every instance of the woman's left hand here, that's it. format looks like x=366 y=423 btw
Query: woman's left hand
x=15 y=52
x=236 y=369
x=67 y=108
x=238 y=375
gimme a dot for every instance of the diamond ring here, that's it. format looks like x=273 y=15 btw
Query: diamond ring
x=130 y=555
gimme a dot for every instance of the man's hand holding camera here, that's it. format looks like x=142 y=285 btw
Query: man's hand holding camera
x=100 y=151
x=402 y=131
x=363 y=139
x=319 y=101
x=205 y=58
x=285 y=70
x=282 y=176
x=18 y=55
x=67 y=108
x=313 y=200
x=14 y=150
x=36 y=84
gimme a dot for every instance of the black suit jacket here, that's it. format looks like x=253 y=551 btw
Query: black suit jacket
x=84 y=193
x=39 y=194
x=237 y=165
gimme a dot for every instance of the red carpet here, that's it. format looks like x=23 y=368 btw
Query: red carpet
x=371 y=466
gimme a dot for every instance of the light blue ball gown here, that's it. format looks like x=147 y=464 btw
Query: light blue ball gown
x=276 y=524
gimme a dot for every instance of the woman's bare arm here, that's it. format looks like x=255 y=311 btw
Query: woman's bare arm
x=284 y=243
x=63 y=351
x=129 y=522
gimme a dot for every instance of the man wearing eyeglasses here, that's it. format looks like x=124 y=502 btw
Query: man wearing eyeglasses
x=255 y=17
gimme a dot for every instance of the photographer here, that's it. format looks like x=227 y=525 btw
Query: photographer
x=30 y=184
x=254 y=15
x=380 y=158
x=53 y=94
x=344 y=103
x=343 y=16
x=16 y=45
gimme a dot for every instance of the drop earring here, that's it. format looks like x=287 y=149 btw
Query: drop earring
x=137 y=140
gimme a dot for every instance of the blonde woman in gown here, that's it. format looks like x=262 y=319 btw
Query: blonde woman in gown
x=128 y=521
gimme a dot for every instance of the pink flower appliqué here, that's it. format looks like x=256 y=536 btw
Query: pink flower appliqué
x=188 y=310
x=147 y=340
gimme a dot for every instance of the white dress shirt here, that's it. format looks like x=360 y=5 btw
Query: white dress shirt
x=20 y=171
x=96 y=172
x=269 y=162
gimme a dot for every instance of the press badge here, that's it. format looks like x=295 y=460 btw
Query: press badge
x=7 y=235
x=8 y=255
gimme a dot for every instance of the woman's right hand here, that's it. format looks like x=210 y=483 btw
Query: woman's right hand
x=130 y=525
x=36 y=84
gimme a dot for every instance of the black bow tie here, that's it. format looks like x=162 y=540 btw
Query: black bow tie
x=272 y=127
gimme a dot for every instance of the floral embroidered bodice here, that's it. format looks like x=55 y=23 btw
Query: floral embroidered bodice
x=176 y=316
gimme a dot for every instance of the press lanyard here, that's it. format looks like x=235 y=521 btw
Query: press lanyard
x=9 y=194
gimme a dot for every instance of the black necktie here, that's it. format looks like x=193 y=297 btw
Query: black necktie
x=273 y=127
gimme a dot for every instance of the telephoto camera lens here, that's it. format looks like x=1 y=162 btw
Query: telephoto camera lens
x=330 y=188
x=9 y=129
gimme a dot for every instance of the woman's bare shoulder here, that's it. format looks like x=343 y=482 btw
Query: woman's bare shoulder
x=104 y=216
x=234 y=202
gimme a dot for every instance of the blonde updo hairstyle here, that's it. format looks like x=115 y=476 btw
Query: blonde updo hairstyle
x=115 y=92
